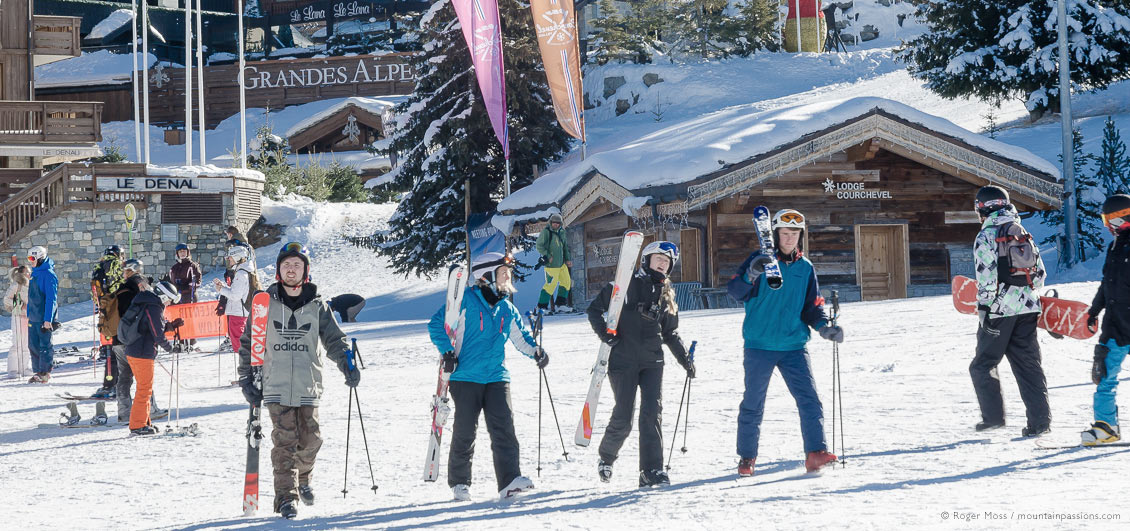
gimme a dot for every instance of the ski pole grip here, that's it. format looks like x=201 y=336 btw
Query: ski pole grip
x=350 y=354
x=690 y=353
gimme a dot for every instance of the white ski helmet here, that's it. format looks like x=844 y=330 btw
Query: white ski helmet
x=238 y=253
x=788 y=218
x=167 y=292
x=667 y=249
x=37 y=253
x=484 y=265
x=135 y=265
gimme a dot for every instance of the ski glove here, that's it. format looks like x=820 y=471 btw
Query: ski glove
x=689 y=366
x=174 y=324
x=610 y=339
x=757 y=266
x=352 y=376
x=449 y=361
x=832 y=333
x=253 y=395
x=542 y=358
x=1092 y=320
x=1098 y=368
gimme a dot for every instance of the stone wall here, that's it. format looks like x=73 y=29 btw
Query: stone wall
x=76 y=239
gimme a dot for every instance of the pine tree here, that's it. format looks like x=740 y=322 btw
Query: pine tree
x=615 y=41
x=1008 y=48
x=443 y=135
x=1112 y=166
x=1088 y=207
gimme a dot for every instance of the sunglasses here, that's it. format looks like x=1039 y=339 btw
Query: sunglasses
x=1117 y=219
x=792 y=217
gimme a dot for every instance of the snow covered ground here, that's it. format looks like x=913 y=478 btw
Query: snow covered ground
x=911 y=454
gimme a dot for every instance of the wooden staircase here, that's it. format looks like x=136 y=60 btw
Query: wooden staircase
x=28 y=205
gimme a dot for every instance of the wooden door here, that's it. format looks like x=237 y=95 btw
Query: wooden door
x=882 y=261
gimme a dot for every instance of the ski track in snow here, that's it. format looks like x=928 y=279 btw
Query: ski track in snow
x=909 y=406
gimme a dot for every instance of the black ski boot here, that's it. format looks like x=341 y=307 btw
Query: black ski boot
x=144 y=430
x=288 y=510
x=983 y=426
x=654 y=478
x=1035 y=431
x=605 y=471
x=306 y=494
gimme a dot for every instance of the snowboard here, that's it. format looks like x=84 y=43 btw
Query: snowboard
x=1051 y=444
x=260 y=305
x=68 y=396
x=764 y=227
x=629 y=251
x=1060 y=317
x=441 y=408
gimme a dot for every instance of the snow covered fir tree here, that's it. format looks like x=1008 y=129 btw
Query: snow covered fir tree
x=1008 y=48
x=1112 y=166
x=443 y=137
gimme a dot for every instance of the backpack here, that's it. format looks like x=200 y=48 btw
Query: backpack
x=108 y=276
x=129 y=328
x=1017 y=256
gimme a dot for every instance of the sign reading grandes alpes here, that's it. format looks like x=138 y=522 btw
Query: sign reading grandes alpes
x=361 y=71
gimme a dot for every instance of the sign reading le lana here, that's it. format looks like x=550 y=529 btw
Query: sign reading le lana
x=343 y=9
x=279 y=75
x=188 y=185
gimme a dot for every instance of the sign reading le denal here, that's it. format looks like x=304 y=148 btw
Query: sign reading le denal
x=159 y=184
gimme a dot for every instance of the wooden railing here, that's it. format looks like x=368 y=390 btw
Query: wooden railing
x=14 y=180
x=66 y=186
x=50 y=121
x=56 y=35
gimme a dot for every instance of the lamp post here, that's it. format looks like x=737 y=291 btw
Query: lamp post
x=1069 y=197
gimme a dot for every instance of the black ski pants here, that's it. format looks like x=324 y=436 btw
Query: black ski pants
x=1013 y=337
x=112 y=366
x=493 y=400
x=625 y=381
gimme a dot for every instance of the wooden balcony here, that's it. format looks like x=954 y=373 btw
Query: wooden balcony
x=50 y=121
x=57 y=36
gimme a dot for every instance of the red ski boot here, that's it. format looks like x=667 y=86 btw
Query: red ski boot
x=816 y=460
x=745 y=467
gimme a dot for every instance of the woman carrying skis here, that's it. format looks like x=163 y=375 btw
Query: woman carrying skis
x=479 y=379
x=775 y=332
x=649 y=319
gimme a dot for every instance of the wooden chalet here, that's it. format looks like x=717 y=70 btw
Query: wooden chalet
x=887 y=199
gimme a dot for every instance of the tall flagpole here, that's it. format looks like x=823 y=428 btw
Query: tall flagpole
x=200 y=81
x=799 y=46
x=133 y=83
x=188 y=82
x=242 y=94
x=145 y=78
x=1067 y=127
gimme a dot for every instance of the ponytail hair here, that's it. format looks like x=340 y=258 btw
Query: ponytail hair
x=668 y=297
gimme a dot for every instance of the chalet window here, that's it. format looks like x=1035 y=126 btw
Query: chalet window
x=192 y=209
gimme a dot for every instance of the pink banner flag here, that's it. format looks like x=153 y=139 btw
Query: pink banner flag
x=480 y=22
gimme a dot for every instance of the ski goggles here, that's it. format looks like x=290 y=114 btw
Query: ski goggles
x=978 y=205
x=792 y=217
x=294 y=247
x=1117 y=220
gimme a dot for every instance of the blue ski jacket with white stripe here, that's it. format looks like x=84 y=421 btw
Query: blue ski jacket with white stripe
x=778 y=319
x=485 y=329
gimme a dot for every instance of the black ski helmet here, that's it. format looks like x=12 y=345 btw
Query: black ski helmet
x=293 y=249
x=114 y=250
x=1116 y=212
x=990 y=199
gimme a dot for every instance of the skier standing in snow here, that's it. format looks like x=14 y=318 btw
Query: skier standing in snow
x=15 y=302
x=775 y=330
x=244 y=283
x=297 y=320
x=132 y=272
x=1007 y=310
x=185 y=275
x=105 y=280
x=1114 y=342
x=649 y=319
x=479 y=379
x=554 y=251
x=42 y=308
x=145 y=319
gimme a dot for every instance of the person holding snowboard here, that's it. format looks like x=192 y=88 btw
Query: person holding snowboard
x=244 y=283
x=649 y=319
x=554 y=251
x=775 y=331
x=1114 y=342
x=1009 y=271
x=298 y=321
x=479 y=379
x=142 y=329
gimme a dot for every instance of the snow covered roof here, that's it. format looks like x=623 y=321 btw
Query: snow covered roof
x=710 y=156
x=91 y=68
x=110 y=24
x=375 y=106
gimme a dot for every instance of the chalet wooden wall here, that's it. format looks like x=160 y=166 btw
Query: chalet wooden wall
x=920 y=198
x=117 y=105
x=13 y=51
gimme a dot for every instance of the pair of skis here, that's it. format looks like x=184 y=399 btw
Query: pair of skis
x=441 y=407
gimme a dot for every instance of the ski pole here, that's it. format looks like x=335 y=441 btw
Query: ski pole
x=549 y=394
x=685 y=395
x=540 y=379
x=687 y=419
x=354 y=395
x=837 y=383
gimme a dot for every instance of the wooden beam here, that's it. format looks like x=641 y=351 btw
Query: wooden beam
x=862 y=152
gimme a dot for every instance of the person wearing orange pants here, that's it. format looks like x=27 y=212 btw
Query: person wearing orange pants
x=142 y=329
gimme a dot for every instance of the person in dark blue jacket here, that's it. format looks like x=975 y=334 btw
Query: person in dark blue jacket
x=42 y=308
x=775 y=332
x=149 y=307
x=479 y=379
